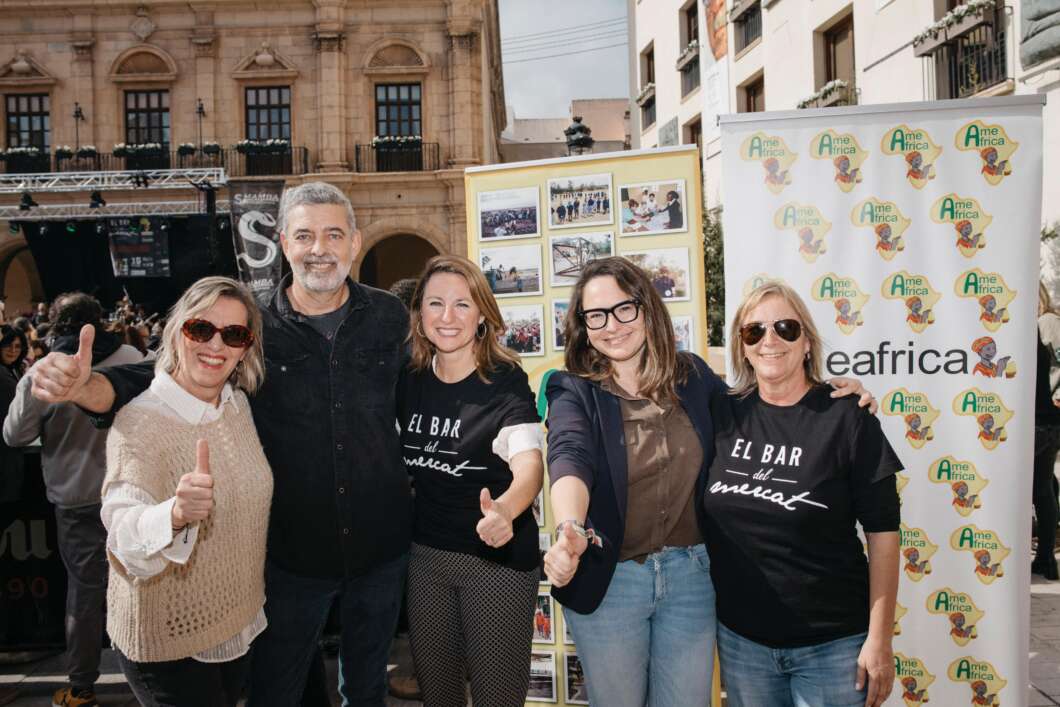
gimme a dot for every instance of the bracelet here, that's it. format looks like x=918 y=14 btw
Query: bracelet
x=590 y=535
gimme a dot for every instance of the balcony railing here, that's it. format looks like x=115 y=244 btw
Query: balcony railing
x=973 y=62
x=421 y=157
x=235 y=163
x=831 y=96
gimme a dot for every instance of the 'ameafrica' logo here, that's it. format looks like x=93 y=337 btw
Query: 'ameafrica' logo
x=989 y=412
x=990 y=364
x=913 y=677
x=960 y=610
x=917 y=148
x=916 y=294
x=981 y=677
x=886 y=221
x=845 y=296
x=987 y=549
x=808 y=224
x=992 y=144
x=917 y=550
x=775 y=156
x=916 y=412
x=991 y=293
x=757 y=280
x=964 y=481
x=845 y=154
x=968 y=220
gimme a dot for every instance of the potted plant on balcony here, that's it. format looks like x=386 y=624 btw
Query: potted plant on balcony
x=87 y=151
x=834 y=92
x=28 y=159
x=646 y=92
x=248 y=147
x=63 y=152
x=211 y=148
x=147 y=155
x=688 y=54
x=398 y=153
x=186 y=149
x=120 y=149
x=955 y=23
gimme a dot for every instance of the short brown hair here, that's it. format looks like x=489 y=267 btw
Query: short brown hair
x=489 y=353
x=744 y=380
x=661 y=368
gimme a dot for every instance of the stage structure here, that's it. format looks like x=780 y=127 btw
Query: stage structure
x=50 y=182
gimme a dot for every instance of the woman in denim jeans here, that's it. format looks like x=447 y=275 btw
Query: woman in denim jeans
x=802 y=618
x=630 y=440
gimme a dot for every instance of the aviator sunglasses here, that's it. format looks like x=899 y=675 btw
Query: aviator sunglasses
x=787 y=329
x=235 y=335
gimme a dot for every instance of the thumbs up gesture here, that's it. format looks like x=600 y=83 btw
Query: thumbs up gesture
x=561 y=560
x=495 y=528
x=194 y=498
x=58 y=377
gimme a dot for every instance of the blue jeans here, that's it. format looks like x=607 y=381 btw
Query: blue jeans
x=297 y=608
x=810 y=676
x=651 y=640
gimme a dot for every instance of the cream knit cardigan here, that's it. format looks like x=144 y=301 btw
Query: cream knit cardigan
x=190 y=608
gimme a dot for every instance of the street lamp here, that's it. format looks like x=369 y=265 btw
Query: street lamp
x=579 y=140
x=79 y=118
x=200 y=111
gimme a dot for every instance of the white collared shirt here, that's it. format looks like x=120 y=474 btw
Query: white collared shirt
x=139 y=528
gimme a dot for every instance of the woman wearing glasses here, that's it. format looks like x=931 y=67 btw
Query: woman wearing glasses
x=630 y=440
x=802 y=618
x=186 y=504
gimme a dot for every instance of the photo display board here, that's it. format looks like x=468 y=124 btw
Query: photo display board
x=532 y=227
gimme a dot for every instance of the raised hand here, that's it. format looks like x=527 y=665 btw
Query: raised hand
x=495 y=528
x=194 y=498
x=561 y=560
x=58 y=377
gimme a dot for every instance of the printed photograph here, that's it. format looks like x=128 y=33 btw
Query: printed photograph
x=542 y=677
x=508 y=213
x=568 y=639
x=559 y=314
x=544 y=615
x=580 y=201
x=538 y=507
x=575 y=692
x=570 y=254
x=652 y=209
x=668 y=269
x=522 y=333
x=512 y=271
x=683 y=332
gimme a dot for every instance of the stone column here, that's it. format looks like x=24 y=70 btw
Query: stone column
x=82 y=42
x=463 y=34
x=331 y=88
x=204 y=42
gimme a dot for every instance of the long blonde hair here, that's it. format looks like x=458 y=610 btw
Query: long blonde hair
x=489 y=353
x=197 y=299
x=661 y=369
x=744 y=380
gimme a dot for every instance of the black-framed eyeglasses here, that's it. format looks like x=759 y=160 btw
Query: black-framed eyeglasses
x=623 y=312
x=787 y=329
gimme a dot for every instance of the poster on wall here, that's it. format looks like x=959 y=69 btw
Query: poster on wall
x=911 y=232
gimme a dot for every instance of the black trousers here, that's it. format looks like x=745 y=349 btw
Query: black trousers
x=1046 y=445
x=187 y=682
x=82 y=546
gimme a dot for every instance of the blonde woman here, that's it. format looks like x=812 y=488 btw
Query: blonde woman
x=186 y=504
x=803 y=619
x=471 y=438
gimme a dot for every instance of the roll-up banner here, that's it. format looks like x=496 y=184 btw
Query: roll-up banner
x=254 y=208
x=912 y=233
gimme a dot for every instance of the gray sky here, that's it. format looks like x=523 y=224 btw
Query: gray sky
x=543 y=28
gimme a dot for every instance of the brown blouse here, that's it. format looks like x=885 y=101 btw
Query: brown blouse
x=663 y=457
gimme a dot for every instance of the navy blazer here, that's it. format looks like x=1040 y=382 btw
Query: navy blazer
x=586 y=439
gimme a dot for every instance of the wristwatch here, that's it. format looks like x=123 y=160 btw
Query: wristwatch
x=590 y=534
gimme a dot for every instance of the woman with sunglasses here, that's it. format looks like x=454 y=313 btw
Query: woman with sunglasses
x=802 y=618
x=186 y=504
x=630 y=440
x=471 y=438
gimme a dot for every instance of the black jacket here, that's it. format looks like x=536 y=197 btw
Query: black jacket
x=586 y=439
x=325 y=414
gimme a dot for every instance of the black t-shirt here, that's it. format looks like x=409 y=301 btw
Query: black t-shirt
x=784 y=491
x=447 y=433
x=327 y=324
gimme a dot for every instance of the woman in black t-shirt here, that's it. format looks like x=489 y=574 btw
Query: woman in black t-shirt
x=471 y=437
x=801 y=618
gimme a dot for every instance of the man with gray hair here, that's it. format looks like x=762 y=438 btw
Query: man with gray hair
x=73 y=462
x=341 y=519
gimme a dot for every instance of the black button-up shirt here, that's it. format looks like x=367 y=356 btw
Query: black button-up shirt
x=325 y=414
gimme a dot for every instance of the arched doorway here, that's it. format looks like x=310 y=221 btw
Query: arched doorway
x=20 y=282
x=395 y=257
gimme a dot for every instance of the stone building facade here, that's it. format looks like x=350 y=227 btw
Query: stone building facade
x=326 y=75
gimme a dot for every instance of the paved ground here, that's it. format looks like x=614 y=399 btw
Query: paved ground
x=38 y=679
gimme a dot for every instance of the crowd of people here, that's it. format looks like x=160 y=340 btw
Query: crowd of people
x=499 y=223
x=573 y=206
x=253 y=477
